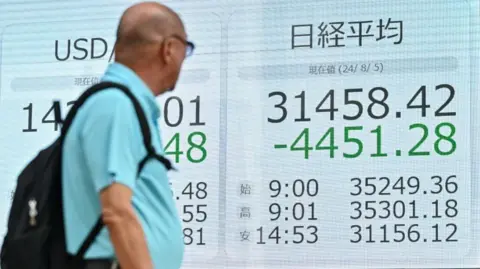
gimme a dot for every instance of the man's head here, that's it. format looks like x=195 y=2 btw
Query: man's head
x=151 y=40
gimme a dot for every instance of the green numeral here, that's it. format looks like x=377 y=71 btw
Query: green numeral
x=196 y=142
x=349 y=139
x=296 y=146
x=448 y=138
x=197 y=146
x=413 y=151
x=444 y=132
x=330 y=135
x=378 y=132
x=176 y=151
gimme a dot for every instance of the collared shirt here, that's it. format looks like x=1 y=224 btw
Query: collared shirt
x=105 y=145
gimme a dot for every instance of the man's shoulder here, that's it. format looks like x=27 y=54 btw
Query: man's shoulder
x=106 y=105
x=108 y=99
x=103 y=110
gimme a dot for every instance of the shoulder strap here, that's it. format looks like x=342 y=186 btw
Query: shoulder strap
x=97 y=88
x=147 y=140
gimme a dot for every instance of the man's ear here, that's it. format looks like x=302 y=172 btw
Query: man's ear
x=166 y=51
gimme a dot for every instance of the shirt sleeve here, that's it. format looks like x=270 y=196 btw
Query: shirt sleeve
x=111 y=140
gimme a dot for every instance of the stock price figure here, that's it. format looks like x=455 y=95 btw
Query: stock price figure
x=350 y=143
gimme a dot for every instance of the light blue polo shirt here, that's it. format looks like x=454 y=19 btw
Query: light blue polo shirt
x=104 y=145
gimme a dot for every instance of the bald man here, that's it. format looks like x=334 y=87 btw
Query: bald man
x=104 y=147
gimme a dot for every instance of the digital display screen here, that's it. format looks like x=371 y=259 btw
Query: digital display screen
x=307 y=134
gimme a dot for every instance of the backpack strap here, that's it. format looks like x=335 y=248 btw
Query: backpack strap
x=147 y=141
x=147 y=138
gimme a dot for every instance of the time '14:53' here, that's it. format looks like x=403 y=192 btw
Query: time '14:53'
x=298 y=234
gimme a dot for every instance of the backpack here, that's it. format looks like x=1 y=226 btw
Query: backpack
x=35 y=236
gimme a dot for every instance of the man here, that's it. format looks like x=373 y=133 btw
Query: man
x=104 y=147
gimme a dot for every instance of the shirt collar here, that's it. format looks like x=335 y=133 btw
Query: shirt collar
x=129 y=78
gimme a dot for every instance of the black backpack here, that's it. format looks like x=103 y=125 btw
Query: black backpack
x=35 y=237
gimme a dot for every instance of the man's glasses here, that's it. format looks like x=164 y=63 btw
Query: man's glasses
x=189 y=46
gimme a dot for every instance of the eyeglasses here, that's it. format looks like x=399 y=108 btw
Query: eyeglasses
x=189 y=46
